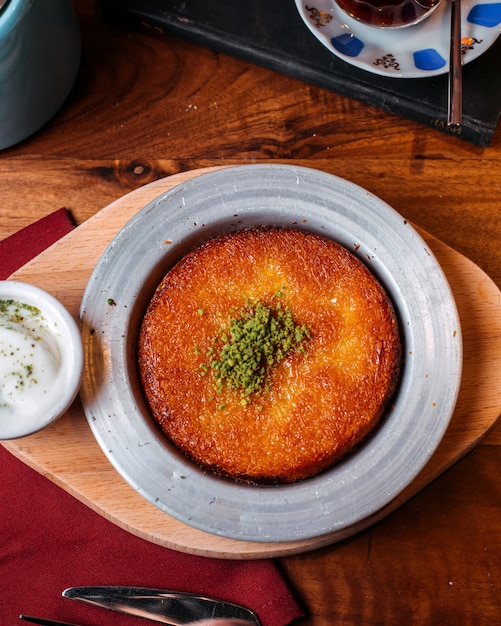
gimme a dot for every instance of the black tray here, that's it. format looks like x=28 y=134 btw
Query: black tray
x=272 y=34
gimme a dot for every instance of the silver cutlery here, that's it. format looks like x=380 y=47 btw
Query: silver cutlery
x=44 y=622
x=455 y=103
x=168 y=607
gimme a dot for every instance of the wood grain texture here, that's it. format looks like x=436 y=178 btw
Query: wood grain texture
x=434 y=561
x=53 y=451
x=145 y=107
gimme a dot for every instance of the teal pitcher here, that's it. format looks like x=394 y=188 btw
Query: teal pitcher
x=39 y=59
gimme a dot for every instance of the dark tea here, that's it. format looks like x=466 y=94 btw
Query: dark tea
x=384 y=13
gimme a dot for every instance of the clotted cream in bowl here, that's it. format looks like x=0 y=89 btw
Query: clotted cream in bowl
x=41 y=359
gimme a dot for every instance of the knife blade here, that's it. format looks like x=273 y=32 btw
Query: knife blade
x=42 y=621
x=159 y=605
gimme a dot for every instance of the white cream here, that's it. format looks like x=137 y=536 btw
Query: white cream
x=30 y=363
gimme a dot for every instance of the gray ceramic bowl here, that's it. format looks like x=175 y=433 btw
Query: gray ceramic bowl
x=365 y=481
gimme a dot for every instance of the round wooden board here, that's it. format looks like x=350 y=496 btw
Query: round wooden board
x=68 y=454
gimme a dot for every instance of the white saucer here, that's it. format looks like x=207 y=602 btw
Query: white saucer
x=416 y=51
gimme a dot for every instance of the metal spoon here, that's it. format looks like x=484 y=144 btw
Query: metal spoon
x=455 y=111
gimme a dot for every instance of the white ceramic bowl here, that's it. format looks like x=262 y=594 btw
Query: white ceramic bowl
x=41 y=359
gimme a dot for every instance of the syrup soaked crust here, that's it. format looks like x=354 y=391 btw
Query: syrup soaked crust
x=321 y=404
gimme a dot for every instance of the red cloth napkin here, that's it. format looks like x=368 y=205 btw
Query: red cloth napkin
x=27 y=243
x=50 y=541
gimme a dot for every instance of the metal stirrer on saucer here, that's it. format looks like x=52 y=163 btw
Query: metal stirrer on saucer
x=455 y=110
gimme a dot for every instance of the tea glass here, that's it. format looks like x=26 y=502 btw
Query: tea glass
x=389 y=13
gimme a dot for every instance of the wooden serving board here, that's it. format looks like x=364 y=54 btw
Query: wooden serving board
x=68 y=454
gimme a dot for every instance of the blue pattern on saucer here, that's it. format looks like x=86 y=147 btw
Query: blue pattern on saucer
x=428 y=59
x=419 y=51
x=488 y=15
x=348 y=44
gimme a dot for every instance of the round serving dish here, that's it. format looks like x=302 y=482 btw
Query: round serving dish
x=418 y=51
x=124 y=280
x=39 y=384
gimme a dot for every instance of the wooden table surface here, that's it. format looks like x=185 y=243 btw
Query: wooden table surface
x=147 y=106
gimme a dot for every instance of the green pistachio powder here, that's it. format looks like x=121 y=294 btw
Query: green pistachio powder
x=254 y=339
x=14 y=312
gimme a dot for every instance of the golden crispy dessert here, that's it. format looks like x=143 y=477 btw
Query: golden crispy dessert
x=268 y=353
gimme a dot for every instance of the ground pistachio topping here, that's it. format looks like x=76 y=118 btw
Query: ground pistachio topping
x=17 y=311
x=253 y=340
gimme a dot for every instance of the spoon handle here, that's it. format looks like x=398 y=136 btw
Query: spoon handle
x=455 y=110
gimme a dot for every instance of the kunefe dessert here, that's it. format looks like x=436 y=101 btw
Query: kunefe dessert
x=269 y=353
